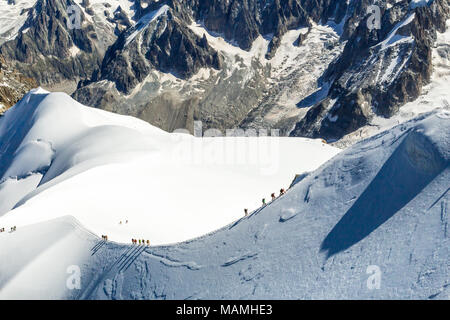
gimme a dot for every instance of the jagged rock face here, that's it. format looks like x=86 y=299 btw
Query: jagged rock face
x=158 y=41
x=227 y=99
x=53 y=52
x=352 y=88
x=13 y=86
x=50 y=52
x=244 y=20
x=378 y=71
x=169 y=46
x=308 y=68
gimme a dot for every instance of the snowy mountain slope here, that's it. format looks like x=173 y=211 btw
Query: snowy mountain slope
x=36 y=249
x=319 y=240
x=109 y=18
x=36 y=37
x=58 y=157
x=382 y=203
x=51 y=51
x=98 y=10
x=309 y=70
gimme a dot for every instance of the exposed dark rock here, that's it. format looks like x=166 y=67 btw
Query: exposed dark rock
x=302 y=37
x=358 y=90
x=44 y=51
x=369 y=77
x=13 y=85
x=243 y=21
x=169 y=113
x=165 y=44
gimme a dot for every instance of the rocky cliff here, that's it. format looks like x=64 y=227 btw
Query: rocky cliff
x=13 y=86
x=378 y=71
x=308 y=68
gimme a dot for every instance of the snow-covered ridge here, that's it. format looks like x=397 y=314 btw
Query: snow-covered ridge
x=383 y=203
x=58 y=157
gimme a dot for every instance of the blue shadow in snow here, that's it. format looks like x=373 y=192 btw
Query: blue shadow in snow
x=18 y=129
x=405 y=174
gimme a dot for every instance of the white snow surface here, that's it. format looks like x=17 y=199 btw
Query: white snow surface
x=58 y=158
x=380 y=205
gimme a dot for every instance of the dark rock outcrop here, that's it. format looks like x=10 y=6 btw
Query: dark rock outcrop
x=44 y=48
x=161 y=42
x=13 y=86
x=372 y=71
x=379 y=70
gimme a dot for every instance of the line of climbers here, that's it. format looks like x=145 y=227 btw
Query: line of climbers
x=12 y=229
x=141 y=242
x=133 y=241
x=273 y=196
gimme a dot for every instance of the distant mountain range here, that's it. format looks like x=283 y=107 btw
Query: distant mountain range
x=315 y=69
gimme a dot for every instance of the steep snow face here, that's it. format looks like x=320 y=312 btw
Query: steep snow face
x=58 y=157
x=145 y=21
x=378 y=210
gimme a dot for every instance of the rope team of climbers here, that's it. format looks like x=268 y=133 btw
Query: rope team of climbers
x=12 y=229
x=273 y=196
x=141 y=242
x=133 y=241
